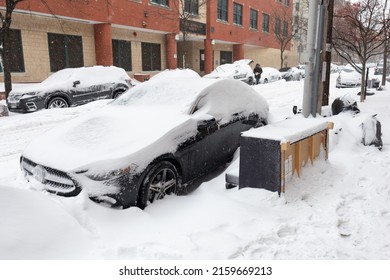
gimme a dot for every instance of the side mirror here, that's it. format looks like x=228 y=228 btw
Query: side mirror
x=75 y=83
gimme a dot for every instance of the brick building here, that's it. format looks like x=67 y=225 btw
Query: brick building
x=143 y=36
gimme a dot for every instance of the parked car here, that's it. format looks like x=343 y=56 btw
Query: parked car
x=348 y=77
x=155 y=139
x=70 y=87
x=270 y=75
x=301 y=69
x=238 y=70
x=351 y=77
x=290 y=73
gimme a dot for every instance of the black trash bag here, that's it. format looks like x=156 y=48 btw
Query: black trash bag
x=342 y=104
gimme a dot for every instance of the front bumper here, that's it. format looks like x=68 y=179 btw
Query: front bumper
x=25 y=105
x=54 y=181
x=118 y=192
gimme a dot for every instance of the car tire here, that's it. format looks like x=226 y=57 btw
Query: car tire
x=251 y=81
x=118 y=93
x=265 y=81
x=160 y=180
x=57 y=102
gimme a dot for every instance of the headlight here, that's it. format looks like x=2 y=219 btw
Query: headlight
x=110 y=174
x=28 y=94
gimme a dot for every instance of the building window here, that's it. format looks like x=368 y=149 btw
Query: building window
x=65 y=51
x=237 y=14
x=121 y=52
x=285 y=28
x=223 y=10
x=265 y=23
x=253 y=19
x=225 y=57
x=161 y=2
x=16 y=61
x=191 y=7
x=287 y=2
x=277 y=26
x=151 y=57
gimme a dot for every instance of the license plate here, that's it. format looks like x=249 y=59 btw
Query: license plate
x=13 y=104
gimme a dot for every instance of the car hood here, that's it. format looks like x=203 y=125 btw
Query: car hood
x=111 y=139
x=38 y=88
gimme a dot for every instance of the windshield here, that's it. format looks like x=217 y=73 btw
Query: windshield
x=179 y=94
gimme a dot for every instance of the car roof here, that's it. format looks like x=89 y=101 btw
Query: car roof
x=183 y=94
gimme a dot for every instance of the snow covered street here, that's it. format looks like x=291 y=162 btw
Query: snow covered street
x=339 y=209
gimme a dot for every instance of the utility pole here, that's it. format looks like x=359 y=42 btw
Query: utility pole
x=309 y=67
x=328 y=52
x=318 y=64
x=312 y=94
x=386 y=24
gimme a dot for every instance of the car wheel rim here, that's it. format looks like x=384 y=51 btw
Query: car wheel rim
x=163 y=183
x=58 y=104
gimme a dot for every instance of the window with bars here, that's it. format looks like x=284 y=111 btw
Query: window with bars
x=237 y=14
x=285 y=28
x=151 y=57
x=253 y=19
x=222 y=10
x=265 y=23
x=16 y=60
x=277 y=26
x=161 y=2
x=65 y=51
x=121 y=53
x=191 y=7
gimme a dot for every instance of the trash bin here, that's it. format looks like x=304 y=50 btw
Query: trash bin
x=370 y=83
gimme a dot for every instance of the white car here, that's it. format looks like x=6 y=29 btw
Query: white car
x=348 y=77
x=238 y=70
x=270 y=75
x=301 y=68
x=290 y=73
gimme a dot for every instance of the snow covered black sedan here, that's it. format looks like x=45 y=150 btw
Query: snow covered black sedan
x=153 y=140
x=70 y=87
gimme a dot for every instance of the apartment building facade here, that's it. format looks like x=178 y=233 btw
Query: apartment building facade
x=143 y=36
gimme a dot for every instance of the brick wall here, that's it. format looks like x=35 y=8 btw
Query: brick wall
x=34 y=31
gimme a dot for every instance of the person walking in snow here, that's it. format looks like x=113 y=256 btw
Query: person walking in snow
x=257 y=71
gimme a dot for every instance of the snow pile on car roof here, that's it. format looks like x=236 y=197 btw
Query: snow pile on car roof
x=175 y=74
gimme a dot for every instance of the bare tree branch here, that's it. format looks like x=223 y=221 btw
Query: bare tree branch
x=359 y=34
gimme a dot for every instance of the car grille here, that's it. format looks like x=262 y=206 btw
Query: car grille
x=55 y=181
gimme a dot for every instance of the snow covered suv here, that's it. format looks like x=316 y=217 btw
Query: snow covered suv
x=70 y=87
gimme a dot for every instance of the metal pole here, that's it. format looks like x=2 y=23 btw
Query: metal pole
x=328 y=53
x=317 y=62
x=311 y=39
